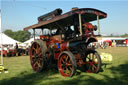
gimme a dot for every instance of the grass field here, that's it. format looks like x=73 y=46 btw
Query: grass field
x=21 y=73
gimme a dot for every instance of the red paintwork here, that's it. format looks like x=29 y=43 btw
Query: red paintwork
x=51 y=43
x=126 y=41
x=108 y=41
x=10 y=52
x=64 y=46
x=78 y=59
x=88 y=28
x=4 y=52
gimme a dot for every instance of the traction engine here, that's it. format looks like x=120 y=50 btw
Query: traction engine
x=68 y=46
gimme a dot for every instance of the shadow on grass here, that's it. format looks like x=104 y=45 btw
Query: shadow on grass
x=120 y=77
x=120 y=74
x=26 y=78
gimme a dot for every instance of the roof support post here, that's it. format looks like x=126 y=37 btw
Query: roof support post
x=98 y=23
x=34 y=33
x=80 y=24
x=42 y=31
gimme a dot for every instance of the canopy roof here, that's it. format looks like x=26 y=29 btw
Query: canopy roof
x=67 y=19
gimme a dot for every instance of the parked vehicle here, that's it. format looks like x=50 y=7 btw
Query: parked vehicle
x=67 y=46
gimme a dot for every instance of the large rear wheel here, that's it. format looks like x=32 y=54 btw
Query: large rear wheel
x=37 y=55
x=67 y=64
x=93 y=62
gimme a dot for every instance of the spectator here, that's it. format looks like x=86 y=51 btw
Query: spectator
x=16 y=46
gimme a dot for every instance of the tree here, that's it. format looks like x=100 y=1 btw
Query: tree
x=18 y=35
x=9 y=32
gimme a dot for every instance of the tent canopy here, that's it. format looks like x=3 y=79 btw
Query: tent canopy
x=31 y=40
x=6 y=40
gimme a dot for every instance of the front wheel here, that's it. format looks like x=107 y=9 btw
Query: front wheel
x=67 y=64
x=93 y=62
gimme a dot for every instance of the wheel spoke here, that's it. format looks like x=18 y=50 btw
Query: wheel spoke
x=34 y=64
x=39 y=54
x=64 y=68
x=33 y=55
x=92 y=68
x=69 y=63
x=95 y=66
x=89 y=67
x=37 y=46
x=62 y=60
x=39 y=63
x=33 y=60
x=67 y=58
x=64 y=57
x=33 y=48
x=70 y=68
x=36 y=51
x=67 y=70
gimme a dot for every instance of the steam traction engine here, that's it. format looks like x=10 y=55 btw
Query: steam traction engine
x=66 y=42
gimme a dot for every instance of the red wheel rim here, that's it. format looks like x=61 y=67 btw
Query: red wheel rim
x=65 y=65
x=92 y=63
x=36 y=57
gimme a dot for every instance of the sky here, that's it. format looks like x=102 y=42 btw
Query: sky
x=17 y=14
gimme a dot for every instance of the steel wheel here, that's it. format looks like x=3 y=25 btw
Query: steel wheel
x=67 y=64
x=93 y=62
x=36 y=57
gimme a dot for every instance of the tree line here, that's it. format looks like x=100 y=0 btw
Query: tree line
x=123 y=35
x=18 y=35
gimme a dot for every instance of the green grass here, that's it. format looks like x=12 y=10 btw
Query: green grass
x=21 y=73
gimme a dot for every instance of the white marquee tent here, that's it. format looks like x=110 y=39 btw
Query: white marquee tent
x=6 y=40
x=29 y=42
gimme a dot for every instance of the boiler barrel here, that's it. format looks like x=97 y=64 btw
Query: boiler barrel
x=72 y=45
